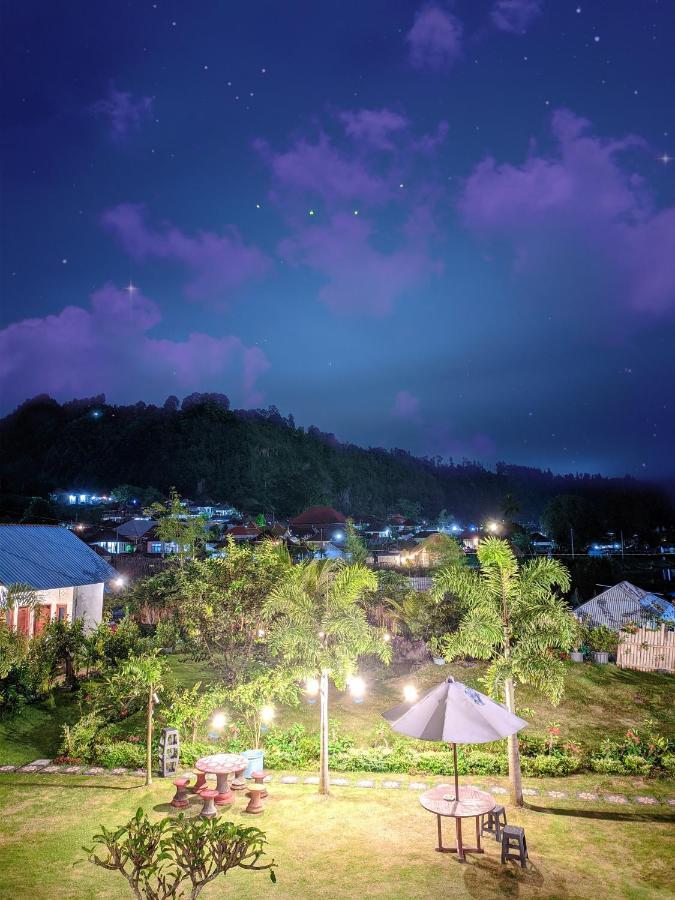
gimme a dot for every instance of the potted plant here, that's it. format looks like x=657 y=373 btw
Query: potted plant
x=581 y=649
x=436 y=650
x=603 y=641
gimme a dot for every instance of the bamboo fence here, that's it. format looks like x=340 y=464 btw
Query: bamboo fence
x=647 y=650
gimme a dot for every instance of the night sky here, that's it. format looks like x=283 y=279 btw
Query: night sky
x=444 y=227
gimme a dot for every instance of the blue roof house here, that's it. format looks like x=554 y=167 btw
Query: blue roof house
x=67 y=576
x=625 y=604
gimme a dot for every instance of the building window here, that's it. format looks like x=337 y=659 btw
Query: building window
x=61 y=612
x=156 y=547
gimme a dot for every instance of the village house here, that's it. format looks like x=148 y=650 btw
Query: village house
x=625 y=604
x=67 y=577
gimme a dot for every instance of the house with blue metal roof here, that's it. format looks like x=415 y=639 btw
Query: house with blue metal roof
x=67 y=577
x=626 y=604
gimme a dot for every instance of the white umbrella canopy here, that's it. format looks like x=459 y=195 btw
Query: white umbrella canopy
x=457 y=714
x=454 y=713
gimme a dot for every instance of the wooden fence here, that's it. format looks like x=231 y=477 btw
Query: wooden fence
x=647 y=649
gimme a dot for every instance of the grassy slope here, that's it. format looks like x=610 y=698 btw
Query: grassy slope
x=599 y=701
x=355 y=844
x=36 y=732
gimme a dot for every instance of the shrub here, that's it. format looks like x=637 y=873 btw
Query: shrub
x=80 y=739
x=551 y=765
x=478 y=762
x=636 y=765
x=668 y=763
x=190 y=752
x=165 y=859
x=121 y=754
x=607 y=765
x=167 y=635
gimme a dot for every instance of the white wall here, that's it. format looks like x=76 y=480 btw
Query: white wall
x=81 y=602
x=88 y=604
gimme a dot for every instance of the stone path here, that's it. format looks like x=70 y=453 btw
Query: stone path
x=46 y=766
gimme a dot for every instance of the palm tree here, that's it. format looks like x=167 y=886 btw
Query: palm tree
x=143 y=675
x=319 y=627
x=515 y=618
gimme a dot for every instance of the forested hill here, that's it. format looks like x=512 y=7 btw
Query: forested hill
x=258 y=460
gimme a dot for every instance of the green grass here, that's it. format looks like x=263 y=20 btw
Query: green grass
x=35 y=733
x=356 y=844
x=599 y=701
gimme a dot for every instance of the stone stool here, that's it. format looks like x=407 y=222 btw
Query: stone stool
x=514 y=845
x=255 y=804
x=180 y=798
x=239 y=782
x=209 y=810
x=492 y=822
x=259 y=779
x=199 y=784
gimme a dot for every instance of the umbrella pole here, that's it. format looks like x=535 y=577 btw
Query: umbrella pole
x=454 y=757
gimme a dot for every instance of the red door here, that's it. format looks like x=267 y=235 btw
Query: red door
x=40 y=619
x=23 y=621
x=10 y=618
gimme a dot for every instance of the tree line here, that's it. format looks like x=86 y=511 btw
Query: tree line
x=260 y=461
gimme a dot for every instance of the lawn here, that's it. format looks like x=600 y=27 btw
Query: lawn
x=599 y=701
x=357 y=843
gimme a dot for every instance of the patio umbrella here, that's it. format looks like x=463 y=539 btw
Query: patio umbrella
x=456 y=714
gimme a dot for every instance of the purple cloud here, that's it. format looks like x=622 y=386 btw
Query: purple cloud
x=374 y=127
x=359 y=277
x=320 y=169
x=435 y=39
x=406 y=405
x=515 y=16
x=219 y=265
x=106 y=348
x=125 y=114
x=583 y=199
x=349 y=218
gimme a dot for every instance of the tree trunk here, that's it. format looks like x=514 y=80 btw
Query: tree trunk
x=148 y=737
x=515 y=780
x=323 y=773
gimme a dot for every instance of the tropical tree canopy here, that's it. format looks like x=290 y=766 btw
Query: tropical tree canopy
x=221 y=604
x=318 y=622
x=515 y=617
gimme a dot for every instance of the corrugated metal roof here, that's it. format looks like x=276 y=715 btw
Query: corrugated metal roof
x=625 y=603
x=136 y=528
x=48 y=556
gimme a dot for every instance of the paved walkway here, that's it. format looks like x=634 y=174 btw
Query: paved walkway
x=47 y=767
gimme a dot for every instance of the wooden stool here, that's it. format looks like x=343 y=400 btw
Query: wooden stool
x=259 y=779
x=255 y=804
x=496 y=819
x=209 y=810
x=514 y=845
x=180 y=798
x=239 y=782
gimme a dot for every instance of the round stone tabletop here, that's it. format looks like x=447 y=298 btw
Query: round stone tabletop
x=221 y=763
